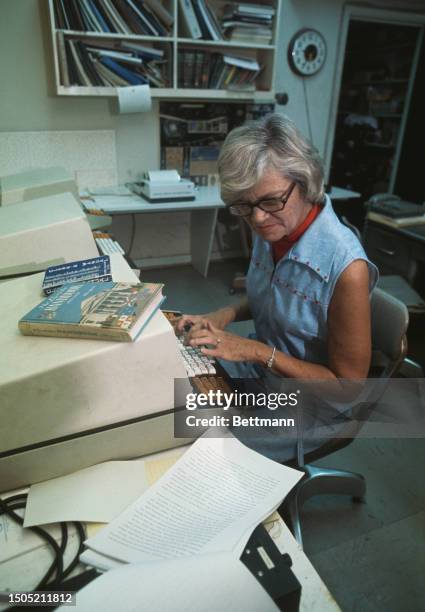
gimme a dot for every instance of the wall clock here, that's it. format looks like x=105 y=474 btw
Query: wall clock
x=307 y=52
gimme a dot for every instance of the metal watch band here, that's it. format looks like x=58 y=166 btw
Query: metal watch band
x=269 y=362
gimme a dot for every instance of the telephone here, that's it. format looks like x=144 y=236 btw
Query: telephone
x=383 y=197
x=391 y=205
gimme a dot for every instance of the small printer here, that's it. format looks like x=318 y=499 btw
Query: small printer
x=164 y=186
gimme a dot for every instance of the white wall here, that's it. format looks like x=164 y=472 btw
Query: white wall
x=28 y=103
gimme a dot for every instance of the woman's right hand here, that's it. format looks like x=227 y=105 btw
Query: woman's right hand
x=219 y=318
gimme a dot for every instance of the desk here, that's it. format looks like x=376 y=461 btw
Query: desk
x=23 y=571
x=398 y=250
x=339 y=193
x=203 y=217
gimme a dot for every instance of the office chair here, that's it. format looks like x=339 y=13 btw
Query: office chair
x=389 y=325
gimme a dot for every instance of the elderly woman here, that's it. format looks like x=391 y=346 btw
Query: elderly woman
x=309 y=278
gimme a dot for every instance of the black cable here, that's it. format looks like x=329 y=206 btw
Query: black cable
x=14 y=503
x=56 y=572
x=74 y=562
x=132 y=235
x=307 y=111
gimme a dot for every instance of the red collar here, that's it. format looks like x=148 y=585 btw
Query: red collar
x=282 y=246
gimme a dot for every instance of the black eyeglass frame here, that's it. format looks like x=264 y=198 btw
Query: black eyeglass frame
x=250 y=207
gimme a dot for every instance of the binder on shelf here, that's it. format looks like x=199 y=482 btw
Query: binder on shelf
x=190 y=19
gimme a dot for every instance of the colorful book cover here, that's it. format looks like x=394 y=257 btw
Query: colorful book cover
x=99 y=311
x=96 y=269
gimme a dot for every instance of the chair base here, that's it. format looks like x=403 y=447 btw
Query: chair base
x=410 y=369
x=321 y=481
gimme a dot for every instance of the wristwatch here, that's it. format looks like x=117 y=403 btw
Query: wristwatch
x=269 y=362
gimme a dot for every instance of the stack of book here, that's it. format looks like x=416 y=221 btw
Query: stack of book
x=200 y=20
x=250 y=23
x=95 y=270
x=147 y=18
x=110 y=63
x=209 y=70
x=94 y=310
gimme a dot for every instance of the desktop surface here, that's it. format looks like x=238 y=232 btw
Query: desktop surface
x=205 y=198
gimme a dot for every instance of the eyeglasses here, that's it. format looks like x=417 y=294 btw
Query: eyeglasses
x=271 y=205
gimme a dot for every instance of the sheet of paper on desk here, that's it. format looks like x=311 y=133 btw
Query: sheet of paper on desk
x=98 y=493
x=208 y=502
x=205 y=584
x=115 y=202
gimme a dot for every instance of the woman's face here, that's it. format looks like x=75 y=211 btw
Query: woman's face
x=274 y=226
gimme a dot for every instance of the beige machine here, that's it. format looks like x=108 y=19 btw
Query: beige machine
x=36 y=183
x=66 y=404
x=43 y=232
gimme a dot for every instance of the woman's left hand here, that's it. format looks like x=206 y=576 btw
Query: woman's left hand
x=222 y=344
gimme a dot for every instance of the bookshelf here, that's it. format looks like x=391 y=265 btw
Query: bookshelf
x=239 y=65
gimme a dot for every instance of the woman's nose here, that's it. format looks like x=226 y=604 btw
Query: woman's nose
x=258 y=215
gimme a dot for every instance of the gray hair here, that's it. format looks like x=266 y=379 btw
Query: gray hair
x=270 y=142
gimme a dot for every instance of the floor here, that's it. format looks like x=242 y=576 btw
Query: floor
x=371 y=555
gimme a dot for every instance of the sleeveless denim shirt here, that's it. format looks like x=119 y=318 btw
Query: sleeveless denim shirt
x=289 y=302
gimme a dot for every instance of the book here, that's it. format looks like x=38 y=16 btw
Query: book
x=214 y=19
x=82 y=76
x=74 y=15
x=96 y=311
x=394 y=222
x=190 y=19
x=90 y=21
x=99 y=17
x=134 y=18
x=143 y=51
x=86 y=61
x=96 y=269
x=253 y=9
x=115 y=18
x=71 y=65
x=161 y=12
x=124 y=73
x=61 y=18
x=202 y=22
x=110 y=78
x=63 y=62
x=148 y=18
x=118 y=55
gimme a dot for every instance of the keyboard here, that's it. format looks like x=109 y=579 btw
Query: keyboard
x=201 y=369
x=106 y=244
x=195 y=362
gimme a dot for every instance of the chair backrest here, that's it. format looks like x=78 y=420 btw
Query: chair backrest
x=352 y=227
x=390 y=319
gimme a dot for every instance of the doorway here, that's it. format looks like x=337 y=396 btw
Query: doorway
x=377 y=79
